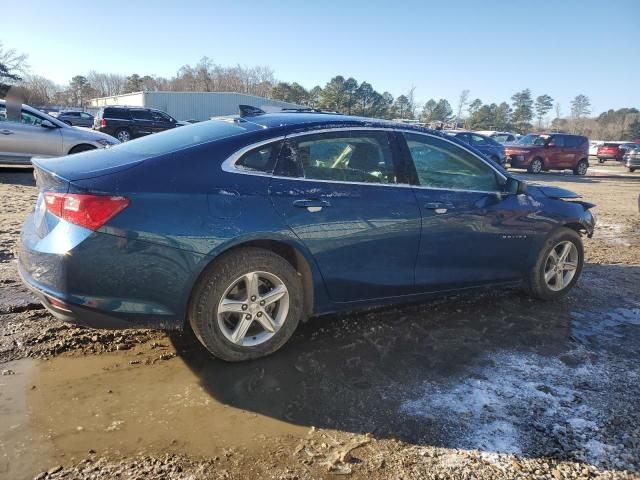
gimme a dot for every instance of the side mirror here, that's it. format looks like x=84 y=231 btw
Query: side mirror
x=47 y=124
x=515 y=186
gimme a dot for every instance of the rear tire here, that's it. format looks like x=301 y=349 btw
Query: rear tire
x=536 y=165
x=601 y=160
x=222 y=303
x=631 y=169
x=542 y=281
x=123 y=134
x=581 y=167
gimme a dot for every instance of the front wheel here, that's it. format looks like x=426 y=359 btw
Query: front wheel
x=601 y=160
x=558 y=265
x=535 y=166
x=632 y=169
x=581 y=168
x=246 y=305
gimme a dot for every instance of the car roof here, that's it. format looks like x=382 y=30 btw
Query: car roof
x=310 y=121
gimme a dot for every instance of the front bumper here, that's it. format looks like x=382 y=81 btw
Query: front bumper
x=518 y=161
x=633 y=162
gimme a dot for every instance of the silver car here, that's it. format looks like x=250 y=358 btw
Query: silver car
x=26 y=132
x=76 y=119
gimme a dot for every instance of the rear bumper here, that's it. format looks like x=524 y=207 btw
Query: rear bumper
x=106 y=281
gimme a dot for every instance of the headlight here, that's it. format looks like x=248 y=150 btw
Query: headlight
x=105 y=143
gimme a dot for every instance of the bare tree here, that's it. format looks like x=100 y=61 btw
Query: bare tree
x=463 y=101
x=38 y=90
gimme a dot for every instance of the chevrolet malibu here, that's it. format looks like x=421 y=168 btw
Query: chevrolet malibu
x=242 y=227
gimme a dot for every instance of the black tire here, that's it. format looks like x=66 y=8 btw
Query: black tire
x=536 y=165
x=81 y=148
x=631 y=169
x=535 y=283
x=123 y=134
x=581 y=167
x=601 y=160
x=218 y=278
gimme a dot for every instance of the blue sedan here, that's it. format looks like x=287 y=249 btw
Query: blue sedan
x=492 y=149
x=240 y=228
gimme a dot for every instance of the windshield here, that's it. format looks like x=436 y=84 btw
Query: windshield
x=186 y=136
x=533 y=140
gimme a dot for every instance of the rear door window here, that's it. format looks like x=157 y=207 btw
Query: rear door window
x=443 y=165
x=349 y=156
x=117 y=113
x=141 y=114
x=558 y=140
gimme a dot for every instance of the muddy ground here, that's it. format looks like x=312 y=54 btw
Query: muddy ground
x=489 y=386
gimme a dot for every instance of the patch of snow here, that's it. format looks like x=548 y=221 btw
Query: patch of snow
x=492 y=408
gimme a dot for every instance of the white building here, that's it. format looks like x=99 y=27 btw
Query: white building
x=193 y=105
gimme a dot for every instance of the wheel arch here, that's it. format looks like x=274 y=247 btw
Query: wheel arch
x=293 y=252
x=72 y=149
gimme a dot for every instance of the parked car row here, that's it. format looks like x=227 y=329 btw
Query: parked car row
x=493 y=150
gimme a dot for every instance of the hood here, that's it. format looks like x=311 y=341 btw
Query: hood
x=550 y=192
x=87 y=134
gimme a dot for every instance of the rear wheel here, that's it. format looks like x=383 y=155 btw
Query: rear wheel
x=247 y=305
x=581 y=167
x=81 y=148
x=123 y=135
x=601 y=160
x=536 y=165
x=631 y=169
x=558 y=265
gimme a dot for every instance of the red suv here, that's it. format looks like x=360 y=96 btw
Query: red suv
x=550 y=151
x=611 y=151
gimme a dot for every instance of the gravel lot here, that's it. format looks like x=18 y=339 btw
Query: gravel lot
x=485 y=386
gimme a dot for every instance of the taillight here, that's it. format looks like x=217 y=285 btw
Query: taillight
x=103 y=123
x=88 y=211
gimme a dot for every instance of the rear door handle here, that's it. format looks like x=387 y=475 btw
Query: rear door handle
x=6 y=132
x=312 y=204
x=437 y=207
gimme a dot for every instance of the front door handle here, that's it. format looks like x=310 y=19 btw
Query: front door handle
x=6 y=132
x=437 y=207
x=312 y=204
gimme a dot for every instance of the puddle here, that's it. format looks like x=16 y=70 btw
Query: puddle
x=104 y=404
x=23 y=450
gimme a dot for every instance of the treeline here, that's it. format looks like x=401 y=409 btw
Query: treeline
x=522 y=113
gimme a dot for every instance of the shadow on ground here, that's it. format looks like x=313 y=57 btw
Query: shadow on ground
x=497 y=372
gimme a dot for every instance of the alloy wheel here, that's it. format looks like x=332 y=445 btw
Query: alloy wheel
x=561 y=265
x=582 y=168
x=124 y=136
x=253 y=308
x=536 y=166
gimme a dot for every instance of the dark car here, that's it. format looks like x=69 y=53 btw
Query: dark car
x=241 y=228
x=631 y=158
x=550 y=151
x=76 y=119
x=488 y=146
x=610 y=151
x=126 y=123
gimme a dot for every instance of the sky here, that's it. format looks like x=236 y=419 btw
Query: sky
x=492 y=48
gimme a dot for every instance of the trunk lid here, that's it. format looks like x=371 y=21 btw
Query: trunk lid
x=90 y=164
